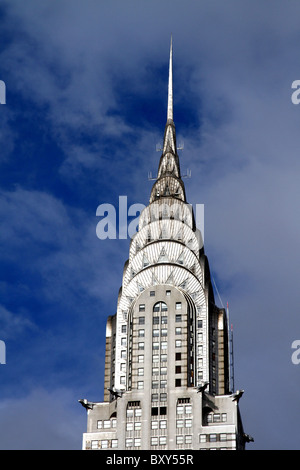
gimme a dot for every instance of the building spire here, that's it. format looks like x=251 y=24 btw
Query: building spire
x=170 y=87
x=169 y=183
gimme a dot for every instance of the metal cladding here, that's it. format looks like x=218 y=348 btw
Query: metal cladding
x=167 y=248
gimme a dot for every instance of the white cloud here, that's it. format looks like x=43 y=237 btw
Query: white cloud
x=12 y=325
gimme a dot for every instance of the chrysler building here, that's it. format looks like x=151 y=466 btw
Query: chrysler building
x=167 y=383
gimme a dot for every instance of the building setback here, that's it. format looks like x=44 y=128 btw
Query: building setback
x=167 y=370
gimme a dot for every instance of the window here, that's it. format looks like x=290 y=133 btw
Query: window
x=141 y=320
x=141 y=307
x=154 y=441
x=177 y=369
x=154 y=425
x=180 y=409
x=155 y=370
x=188 y=439
x=122 y=380
x=138 y=412
x=155 y=346
x=129 y=442
x=155 y=384
x=163 y=397
x=179 y=439
x=137 y=442
x=94 y=445
x=106 y=424
x=188 y=409
x=202 y=438
x=164 y=345
x=141 y=333
x=129 y=413
x=178 y=356
x=99 y=424
x=122 y=366
x=104 y=444
x=133 y=404
x=223 y=437
x=114 y=443
x=188 y=423
x=163 y=410
x=162 y=440
x=164 y=320
x=178 y=318
x=178 y=306
x=212 y=438
x=123 y=354
x=163 y=424
x=152 y=293
x=160 y=307
x=163 y=370
x=178 y=343
x=155 y=358
x=155 y=320
x=123 y=341
x=179 y=423
x=141 y=358
x=140 y=385
x=129 y=426
x=184 y=400
x=155 y=333
x=177 y=382
x=154 y=411
x=164 y=332
x=163 y=358
x=141 y=371
x=154 y=397
x=141 y=346
x=224 y=417
x=200 y=323
x=178 y=331
x=168 y=292
x=123 y=329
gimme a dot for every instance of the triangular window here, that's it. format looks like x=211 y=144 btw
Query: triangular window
x=163 y=257
x=140 y=287
x=170 y=279
x=146 y=262
x=183 y=285
x=180 y=259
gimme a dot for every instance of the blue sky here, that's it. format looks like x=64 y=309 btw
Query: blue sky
x=86 y=105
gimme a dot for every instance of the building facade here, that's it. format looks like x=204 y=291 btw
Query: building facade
x=167 y=368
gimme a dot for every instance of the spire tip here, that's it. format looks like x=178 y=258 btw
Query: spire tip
x=170 y=87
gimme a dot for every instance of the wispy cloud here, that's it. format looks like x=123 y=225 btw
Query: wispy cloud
x=12 y=325
x=53 y=411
